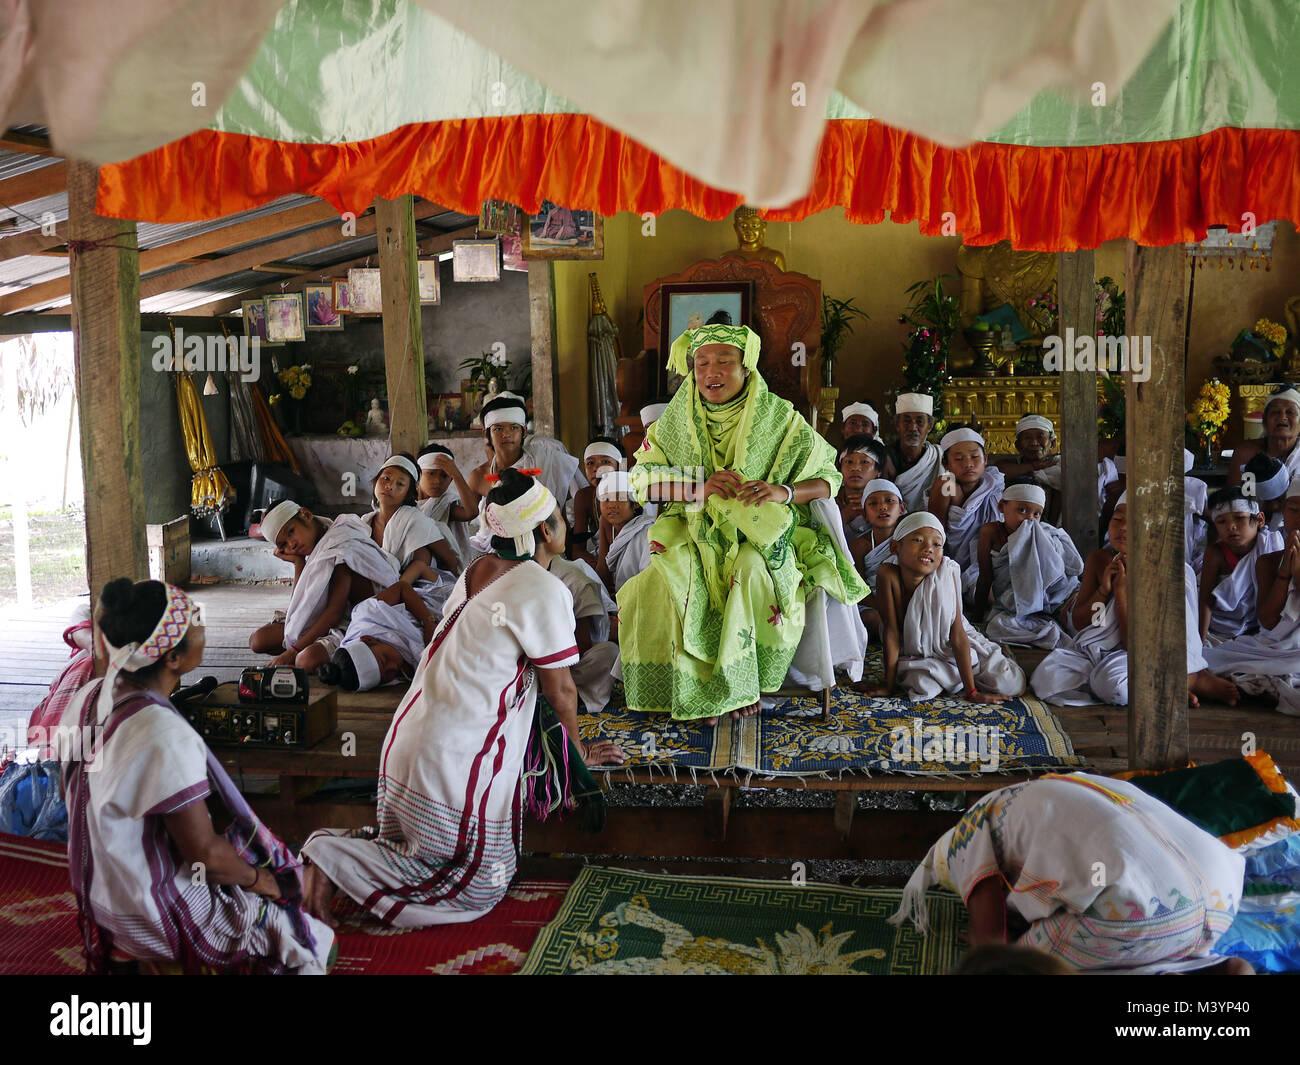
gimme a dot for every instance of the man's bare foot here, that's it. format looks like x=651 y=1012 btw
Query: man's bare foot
x=1206 y=685
x=746 y=711
x=317 y=894
x=710 y=721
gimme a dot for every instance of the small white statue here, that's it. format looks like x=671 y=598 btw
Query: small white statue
x=376 y=423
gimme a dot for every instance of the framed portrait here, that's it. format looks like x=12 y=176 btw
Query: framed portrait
x=320 y=307
x=560 y=233
x=254 y=312
x=430 y=292
x=363 y=292
x=690 y=305
x=512 y=243
x=476 y=260
x=342 y=301
x=286 y=317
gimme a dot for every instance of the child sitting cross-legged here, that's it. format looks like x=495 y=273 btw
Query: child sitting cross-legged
x=861 y=459
x=384 y=640
x=624 y=540
x=930 y=647
x=336 y=565
x=964 y=497
x=1227 y=587
x=883 y=505
x=1031 y=568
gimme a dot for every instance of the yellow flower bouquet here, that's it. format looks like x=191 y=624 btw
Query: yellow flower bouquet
x=1210 y=411
x=1272 y=333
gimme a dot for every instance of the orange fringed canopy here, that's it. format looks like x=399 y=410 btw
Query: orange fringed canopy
x=1040 y=198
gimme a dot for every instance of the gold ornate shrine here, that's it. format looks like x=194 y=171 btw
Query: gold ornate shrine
x=996 y=275
x=997 y=403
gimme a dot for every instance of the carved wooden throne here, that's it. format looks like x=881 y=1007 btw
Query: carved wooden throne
x=786 y=311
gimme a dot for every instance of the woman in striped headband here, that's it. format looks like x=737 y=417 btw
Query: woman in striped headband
x=449 y=779
x=136 y=776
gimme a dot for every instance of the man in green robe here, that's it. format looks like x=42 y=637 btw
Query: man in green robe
x=715 y=619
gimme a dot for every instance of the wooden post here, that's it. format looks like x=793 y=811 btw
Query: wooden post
x=1077 y=299
x=1157 y=633
x=12 y=423
x=408 y=420
x=106 y=343
x=541 y=320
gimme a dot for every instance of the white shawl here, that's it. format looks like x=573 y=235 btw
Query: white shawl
x=914 y=482
x=1036 y=571
x=408 y=530
x=1232 y=603
x=629 y=553
x=873 y=559
x=392 y=625
x=966 y=519
x=346 y=542
x=456 y=533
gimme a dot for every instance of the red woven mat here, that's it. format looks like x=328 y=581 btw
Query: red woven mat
x=38 y=925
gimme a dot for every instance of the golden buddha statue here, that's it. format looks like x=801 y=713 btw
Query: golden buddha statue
x=996 y=275
x=750 y=231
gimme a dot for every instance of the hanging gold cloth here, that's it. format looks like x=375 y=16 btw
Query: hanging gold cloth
x=210 y=489
x=273 y=441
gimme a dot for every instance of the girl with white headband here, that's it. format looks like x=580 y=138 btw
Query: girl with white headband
x=965 y=498
x=859 y=419
x=449 y=775
x=930 y=647
x=136 y=776
x=861 y=459
x=416 y=540
x=1227 y=587
x=1029 y=567
x=883 y=507
x=624 y=532
x=456 y=512
x=602 y=455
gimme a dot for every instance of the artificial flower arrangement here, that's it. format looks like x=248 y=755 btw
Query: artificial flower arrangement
x=297 y=379
x=1272 y=333
x=1210 y=411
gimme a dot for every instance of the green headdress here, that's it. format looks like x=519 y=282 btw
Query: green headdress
x=738 y=336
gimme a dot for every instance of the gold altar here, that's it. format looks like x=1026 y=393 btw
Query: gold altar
x=997 y=403
x=1253 y=398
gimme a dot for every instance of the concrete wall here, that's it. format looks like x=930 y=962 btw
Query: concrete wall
x=874 y=265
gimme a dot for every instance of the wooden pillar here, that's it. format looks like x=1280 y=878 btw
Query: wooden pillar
x=1077 y=299
x=106 y=339
x=541 y=321
x=408 y=418
x=1157 y=633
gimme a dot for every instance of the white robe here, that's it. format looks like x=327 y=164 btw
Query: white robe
x=1195 y=496
x=594 y=673
x=1268 y=662
x=629 y=551
x=965 y=520
x=1232 y=603
x=1107 y=474
x=1093 y=667
x=914 y=482
x=1034 y=573
x=408 y=530
x=346 y=542
x=926 y=666
x=456 y=533
x=872 y=560
x=392 y=625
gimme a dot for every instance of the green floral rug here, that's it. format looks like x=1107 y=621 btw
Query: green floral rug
x=615 y=921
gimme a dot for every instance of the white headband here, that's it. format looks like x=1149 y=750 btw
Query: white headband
x=602 y=448
x=1272 y=487
x=880 y=484
x=651 y=413
x=910 y=402
x=177 y=617
x=429 y=460
x=1234 y=506
x=1290 y=395
x=513 y=415
x=402 y=463
x=865 y=409
x=614 y=484
x=920 y=519
x=960 y=436
x=517 y=519
x=1189 y=460
x=1122 y=500
x=366 y=664
x=277 y=517
x=1293 y=489
x=1035 y=421
x=861 y=449
x=1025 y=493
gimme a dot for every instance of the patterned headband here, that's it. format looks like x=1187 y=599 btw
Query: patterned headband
x=178 y=615
x=517 y=519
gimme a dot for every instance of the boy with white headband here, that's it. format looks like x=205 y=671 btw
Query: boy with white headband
x=965 y=498
x=930 y=647
x=861 y=459
x=336 y=565
x=1227 y=585
x=1268 y=663
x=882 y=503
x=624 y=532
x=1030 y=567
x=455 y=512
x=602 y=455
x=915 y=461
x=859 y=419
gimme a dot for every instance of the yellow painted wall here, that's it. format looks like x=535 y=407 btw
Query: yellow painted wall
x=874 y=265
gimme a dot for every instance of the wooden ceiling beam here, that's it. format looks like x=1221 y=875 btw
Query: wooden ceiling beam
x=28 y=143
x=35 y=184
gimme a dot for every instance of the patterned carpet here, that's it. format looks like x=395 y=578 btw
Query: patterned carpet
x=38 y=925
x=619 y=922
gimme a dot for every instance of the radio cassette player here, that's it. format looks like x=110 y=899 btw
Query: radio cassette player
x=224 y=719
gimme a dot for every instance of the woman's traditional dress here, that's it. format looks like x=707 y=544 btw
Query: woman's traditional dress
x=717 y=616
x=1107 y=876
x=134 y=893
x=449 y=793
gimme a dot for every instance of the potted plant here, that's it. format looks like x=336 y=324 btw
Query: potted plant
x=933 y=315
x=837 y=327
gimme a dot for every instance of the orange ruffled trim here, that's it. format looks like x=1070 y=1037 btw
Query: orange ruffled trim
x=1041 y=198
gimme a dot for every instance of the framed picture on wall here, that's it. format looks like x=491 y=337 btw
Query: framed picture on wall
x=557 y=232
x=430 y=291
x=320 y=308
x=254 y=312
x=690 y=305
x=476 y=260
x=363 y=292
x=286 y=316
x=494 y=217
x=342 y=299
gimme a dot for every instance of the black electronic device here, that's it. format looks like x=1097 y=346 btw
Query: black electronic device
x=273 y=684
x=225 y=719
